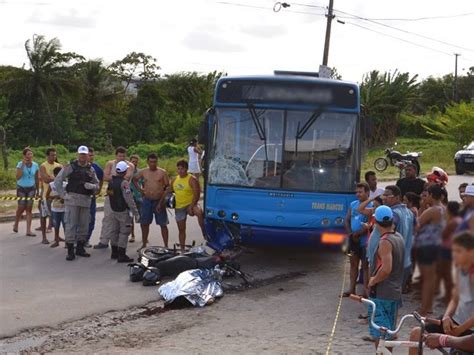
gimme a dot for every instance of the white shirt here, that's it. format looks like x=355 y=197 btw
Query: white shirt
x=379 y=191
x=193 y=156
x=56 y=205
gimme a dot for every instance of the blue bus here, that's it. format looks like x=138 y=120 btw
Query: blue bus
x=282 y=161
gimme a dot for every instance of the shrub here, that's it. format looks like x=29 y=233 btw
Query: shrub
x=164 y=150
x=7 y=179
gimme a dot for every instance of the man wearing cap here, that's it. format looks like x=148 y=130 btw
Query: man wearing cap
x=386 y=272
x=82 y=184
x=117 y=225
x=109 y=171
x=411 y=183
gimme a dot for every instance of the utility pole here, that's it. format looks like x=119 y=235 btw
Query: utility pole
x=330 y=16
x=455 y=86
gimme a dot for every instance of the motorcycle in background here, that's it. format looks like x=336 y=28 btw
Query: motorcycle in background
x=399 y=160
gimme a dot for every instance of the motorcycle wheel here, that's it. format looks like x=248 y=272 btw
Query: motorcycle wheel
x=380 y=164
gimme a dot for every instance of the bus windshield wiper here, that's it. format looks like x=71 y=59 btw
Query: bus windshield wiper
x=259 y=127
x=301 y=131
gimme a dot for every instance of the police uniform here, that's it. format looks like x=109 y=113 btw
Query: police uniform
x=117 y=225
x=104 y=238
x=82 y=184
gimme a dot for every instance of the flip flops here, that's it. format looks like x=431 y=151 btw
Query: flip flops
x=30 y=234
x=45 y=241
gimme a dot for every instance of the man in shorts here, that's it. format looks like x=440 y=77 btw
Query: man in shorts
x=187 y=191
x=357 y=231
x=386 y=273
x=47 y=176
x=152 y=183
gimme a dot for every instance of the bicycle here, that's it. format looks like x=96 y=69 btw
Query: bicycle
x=383 y=345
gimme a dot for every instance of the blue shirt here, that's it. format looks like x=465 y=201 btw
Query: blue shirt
x=372 y=246
x=405 y=221
x=98 y=171
x=357 y=219
x=28 y=177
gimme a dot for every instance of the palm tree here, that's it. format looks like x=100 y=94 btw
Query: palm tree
x=383 y=97
x=47 y=78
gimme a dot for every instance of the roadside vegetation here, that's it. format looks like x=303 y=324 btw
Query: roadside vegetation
x=64 y=99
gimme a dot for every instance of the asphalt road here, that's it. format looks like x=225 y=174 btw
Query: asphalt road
x=38 y=288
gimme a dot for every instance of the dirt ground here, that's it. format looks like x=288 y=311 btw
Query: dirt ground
x=290 y=309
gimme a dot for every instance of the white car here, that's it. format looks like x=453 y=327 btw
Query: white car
x=464 y=159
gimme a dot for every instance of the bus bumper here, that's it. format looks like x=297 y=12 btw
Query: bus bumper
x=224 y=235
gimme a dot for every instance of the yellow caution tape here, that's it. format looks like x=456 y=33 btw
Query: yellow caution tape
x=16 y=198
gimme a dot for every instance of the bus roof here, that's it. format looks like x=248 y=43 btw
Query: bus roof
x=288 y=78
x=287 y=91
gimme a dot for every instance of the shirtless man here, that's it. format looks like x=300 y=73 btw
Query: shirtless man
x=152 y=182
x=110 y=167
x=109 y=171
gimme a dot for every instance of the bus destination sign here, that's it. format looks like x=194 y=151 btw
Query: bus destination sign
x=283 y=92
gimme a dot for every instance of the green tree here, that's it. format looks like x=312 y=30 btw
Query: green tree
x=135 y=66
x=44 y=83
x=383 y=98
x=456 y=124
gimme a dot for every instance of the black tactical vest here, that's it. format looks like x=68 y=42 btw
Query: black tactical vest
x=79 y=176
x=114 y=191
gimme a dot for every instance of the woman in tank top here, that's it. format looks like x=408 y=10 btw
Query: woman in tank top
x=428 y=243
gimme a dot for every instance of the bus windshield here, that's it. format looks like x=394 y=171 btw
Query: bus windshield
x=284 y=149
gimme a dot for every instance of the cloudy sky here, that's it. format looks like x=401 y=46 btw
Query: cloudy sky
x=247 y=36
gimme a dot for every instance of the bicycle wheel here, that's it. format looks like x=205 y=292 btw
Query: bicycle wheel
x=380 y=164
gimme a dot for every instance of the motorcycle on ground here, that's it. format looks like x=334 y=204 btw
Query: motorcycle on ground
x=399 y=160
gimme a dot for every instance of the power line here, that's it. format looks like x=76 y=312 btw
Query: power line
x=266 y=8
x=398 y=38
x=404 y=31
x=357 y=17
x=424 y=18
x=397 y=19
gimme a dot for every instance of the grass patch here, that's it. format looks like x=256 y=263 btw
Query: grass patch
x=8 y=181
x=435 y=153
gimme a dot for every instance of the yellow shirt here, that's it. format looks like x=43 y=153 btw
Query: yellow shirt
x=183 y=191
x=49 y=170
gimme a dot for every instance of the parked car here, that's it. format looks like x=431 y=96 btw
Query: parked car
x=464 y=159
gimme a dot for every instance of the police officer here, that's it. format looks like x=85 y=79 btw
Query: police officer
x=118 y=224
x=82 y=184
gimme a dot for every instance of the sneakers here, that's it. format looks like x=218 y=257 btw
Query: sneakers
x=100 y=246
x=87 y=245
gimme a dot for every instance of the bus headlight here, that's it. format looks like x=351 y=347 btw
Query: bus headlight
x=339 y=220
x=221 y=213
x=325 y=222
x=209 y=212
x=234 y=216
